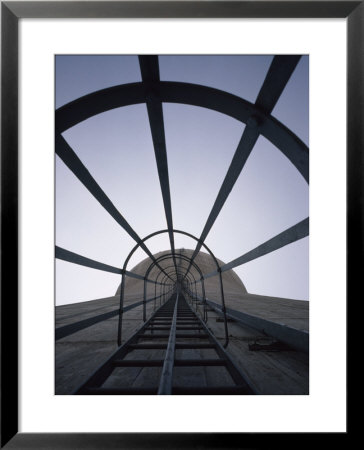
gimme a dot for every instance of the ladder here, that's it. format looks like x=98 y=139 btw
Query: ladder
x=173 y=329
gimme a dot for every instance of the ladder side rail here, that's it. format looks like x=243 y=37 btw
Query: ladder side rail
x=234 y=371
x=104 y=370
x=166 y=381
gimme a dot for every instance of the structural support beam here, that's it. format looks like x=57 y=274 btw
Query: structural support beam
x=150 y=74
x=207 y=249
x=278 y=75
x=75 y=258
x=292 y=234
x=245 y=146
x=190 y=94
x=165 y=384
x=73 y=162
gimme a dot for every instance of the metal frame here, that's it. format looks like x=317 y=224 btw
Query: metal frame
x=153 y=92
x=181 y=256
x=142 y=241
x=149 y=67
x=177 y=322
x=165 y=385
x=75 y=258
x=11 y=13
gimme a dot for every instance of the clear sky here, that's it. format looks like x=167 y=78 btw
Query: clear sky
x=116 y=146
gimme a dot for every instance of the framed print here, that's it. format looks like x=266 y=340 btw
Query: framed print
x=204 y=292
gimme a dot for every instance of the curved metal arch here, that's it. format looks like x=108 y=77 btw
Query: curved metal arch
x=170 y=256
x=171 y=273
x=163 y=285
x=185 y=258
x=189 y=280
x=155 y=263
x=155 y=285
x=190 y=283
x=191 y=94
x=156 y=233
x=137 y=245
x=155 y=281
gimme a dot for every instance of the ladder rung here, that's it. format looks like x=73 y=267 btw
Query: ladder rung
x=177 y=362
x=195 y=336
x=188 y=321
x=119 y=391
x=186 y=345
x=179 y=346
x=161 y=321
x=153 y=336
x=210 y=390
x=188 y=332
x=181 y=328
x=138 y=362
x=199 y=362
x=178 y=321
x=180 y=335
x=203 y=390
x=157 y=328
x=147 y=346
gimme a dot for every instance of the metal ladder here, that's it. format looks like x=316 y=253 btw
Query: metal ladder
x=173 y=327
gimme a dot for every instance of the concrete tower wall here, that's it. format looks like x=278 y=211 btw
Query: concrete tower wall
x=86 y=332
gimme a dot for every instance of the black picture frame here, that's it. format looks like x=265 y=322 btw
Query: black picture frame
x=11 y=12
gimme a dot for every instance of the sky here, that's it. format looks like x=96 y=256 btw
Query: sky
x=269 y=196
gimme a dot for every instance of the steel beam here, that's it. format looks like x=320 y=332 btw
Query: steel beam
x=165 y=384
x=73 y=162
x=190 y=94
x=207 y=249
x=75 y=258
x=277 y=77
x=292 y=234
x=150 y=74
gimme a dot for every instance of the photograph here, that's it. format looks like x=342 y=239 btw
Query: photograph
x=181 y=219
x=181 y=210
